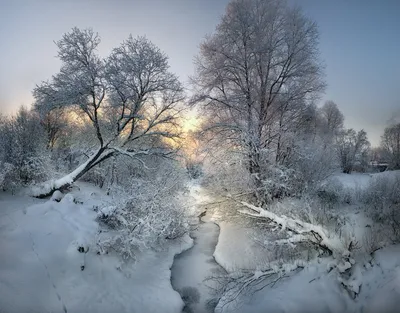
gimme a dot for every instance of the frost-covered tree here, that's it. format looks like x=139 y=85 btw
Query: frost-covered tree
x=131 y=99
x=22 y=148
x=148 y=207
x=390 y=144
x=332 y=118
x=352 y=148
x=54 y=121
x=255 y=74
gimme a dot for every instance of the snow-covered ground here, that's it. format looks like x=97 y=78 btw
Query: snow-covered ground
x=40 y=266
x=354 y=180
x=237 y=249
x=314 y=288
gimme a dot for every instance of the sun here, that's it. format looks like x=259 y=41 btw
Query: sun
x=190 y=122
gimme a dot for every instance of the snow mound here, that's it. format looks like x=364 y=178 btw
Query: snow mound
x=68 y=198
x=57 y=196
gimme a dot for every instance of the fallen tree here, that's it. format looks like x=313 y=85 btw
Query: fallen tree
x=306 y=231
x=348 y=274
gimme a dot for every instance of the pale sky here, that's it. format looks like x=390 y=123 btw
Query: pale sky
x=359 y=42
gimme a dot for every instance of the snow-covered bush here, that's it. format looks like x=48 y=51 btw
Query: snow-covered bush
x=97 y=176
x=333 y=193
x=382 y=201
x=313 y=162
x=383 y=191
x=279 y=182
x=147 y=212
x=23 y=155
x=33 y=169
x=227 y=173
x=375 y=237
x=37 y=168
x=8 y=176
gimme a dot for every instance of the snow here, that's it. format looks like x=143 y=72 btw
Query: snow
x=198 y=194
x=359 y=180
x=329 y=240
x=51 y=185
x=57 y=196
x=293 y=292
x=354 y=180
x=306 y=291
x=106 y=211
x=40 y=266
x=316 y=289
x=68 y=198
x=371 y=285
x=236 y=249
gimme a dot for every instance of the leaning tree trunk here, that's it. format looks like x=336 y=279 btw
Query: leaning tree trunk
x=47 y=188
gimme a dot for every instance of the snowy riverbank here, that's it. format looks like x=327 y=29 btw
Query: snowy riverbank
x=40 y=266
x=312 y=287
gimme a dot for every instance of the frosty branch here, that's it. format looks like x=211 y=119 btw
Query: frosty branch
x=130 y=98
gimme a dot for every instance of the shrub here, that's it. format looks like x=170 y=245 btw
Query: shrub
x=36 y=168
x=279 y=182
x=382 y=201
x=8 y=176
x=151 y=213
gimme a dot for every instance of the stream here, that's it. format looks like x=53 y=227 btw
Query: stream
x=192 y=267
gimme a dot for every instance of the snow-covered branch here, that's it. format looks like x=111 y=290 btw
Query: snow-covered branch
x=315 y=233
x=131 y=100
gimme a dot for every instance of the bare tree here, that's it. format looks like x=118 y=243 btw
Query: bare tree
x=351 y=147
x=131 y=99
x=53 y=121
x=256 y=73
x=332 y=117
x=391 y=145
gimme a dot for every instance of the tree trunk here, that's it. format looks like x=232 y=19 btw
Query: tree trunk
x=254 y=170
x=47 y=188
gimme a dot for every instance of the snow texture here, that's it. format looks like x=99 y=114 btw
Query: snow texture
x=328 y=240
x=236 y=250
x=315 y=288
x=51 y=185
x=41 y=267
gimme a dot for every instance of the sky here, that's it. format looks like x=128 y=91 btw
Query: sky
x=359 y=44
